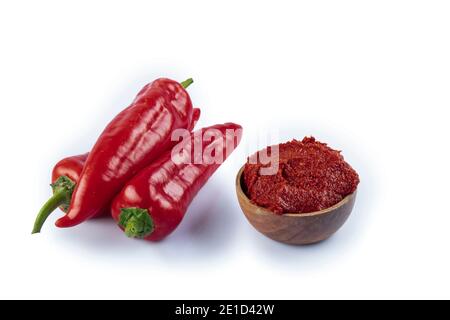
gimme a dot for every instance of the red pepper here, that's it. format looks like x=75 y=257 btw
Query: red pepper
x=153 y=203
x=131 y=141
x=65 y=175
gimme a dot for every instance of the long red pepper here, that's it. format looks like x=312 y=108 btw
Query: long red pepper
x=132 y=140
x=153 y=203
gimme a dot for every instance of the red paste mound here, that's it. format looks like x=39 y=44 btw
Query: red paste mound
x=311 y=177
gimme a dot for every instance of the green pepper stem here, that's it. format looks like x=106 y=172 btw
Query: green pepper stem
x=136 y=222
x=54 y=202
x=186 y=83
x=62 y=194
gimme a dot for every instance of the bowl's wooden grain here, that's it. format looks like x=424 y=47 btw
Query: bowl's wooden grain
x=295 y=228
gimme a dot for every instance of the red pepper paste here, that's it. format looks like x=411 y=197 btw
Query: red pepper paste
x=311 y=177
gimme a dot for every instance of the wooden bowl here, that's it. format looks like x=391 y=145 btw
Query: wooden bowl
x=295 y=228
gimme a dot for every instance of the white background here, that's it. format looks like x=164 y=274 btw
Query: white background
x=371 y=78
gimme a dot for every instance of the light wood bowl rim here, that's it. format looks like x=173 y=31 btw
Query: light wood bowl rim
x=265 y=211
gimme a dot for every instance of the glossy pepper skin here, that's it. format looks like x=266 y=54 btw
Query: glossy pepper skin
x=133 y=139
x=71 y=167
x=153 y=203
